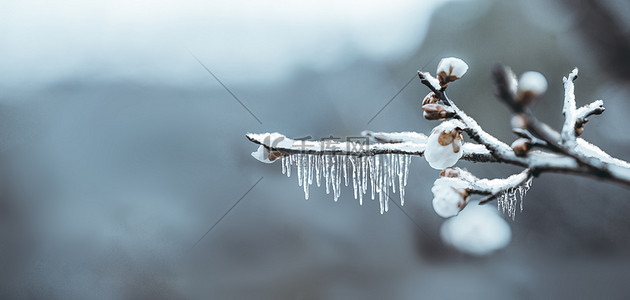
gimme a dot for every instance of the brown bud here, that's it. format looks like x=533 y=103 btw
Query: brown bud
x=445 y=78
x=273 y=155
x=446 y=137
x=521 y=147
x=453 y=137
x=579 y=129
x=450 y=172
x=434 y=111
x=430 y=98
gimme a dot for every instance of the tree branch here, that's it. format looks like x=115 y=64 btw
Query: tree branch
x=410 y=143
x=594 y=108
x=558 y=152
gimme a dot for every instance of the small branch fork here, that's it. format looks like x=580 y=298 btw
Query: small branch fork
x=558 y=152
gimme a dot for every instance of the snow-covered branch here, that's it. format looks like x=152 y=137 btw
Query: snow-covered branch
x=409 y=143
x=594 y=108
x=569 y=109
x=381 y=157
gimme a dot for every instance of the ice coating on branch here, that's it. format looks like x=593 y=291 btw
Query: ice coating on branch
x=262 y=155
x=534 y=82
x=444 y=145
x=449 y=196
x=377 y=174
x=478 y=230
x=450 y=69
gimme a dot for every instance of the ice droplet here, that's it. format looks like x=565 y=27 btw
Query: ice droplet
x=381 y=172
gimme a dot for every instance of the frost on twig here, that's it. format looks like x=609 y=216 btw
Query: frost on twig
x=380 y=165
x=569 y=109
x=594 y=108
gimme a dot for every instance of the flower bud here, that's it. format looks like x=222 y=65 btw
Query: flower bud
x=450 y=69
x=579 y=129
x=430 y=98
x=531 y=85
x=434 y=111
x=444 y=145
x=450 y=172
x=273 y=155
x=263 y=155
x=449 y=196
x=518 y=121
x=521 y=147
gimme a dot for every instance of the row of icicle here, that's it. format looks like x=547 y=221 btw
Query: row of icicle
x=382 y=171
x=508 y=201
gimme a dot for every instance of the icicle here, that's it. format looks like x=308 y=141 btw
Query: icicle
x=284 y=167
x=309 y=169
x=298 y=170
x=361 y=179
x=289 y=164
x=399 y=172
x=318 y=161
x=372 y=175
x=326 y=168
x=354 y=176
x=382 y=182
x=406 y=173
x=364 y=168
x=333 y=176
x=345 y=169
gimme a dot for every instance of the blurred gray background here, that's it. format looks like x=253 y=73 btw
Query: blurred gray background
x=118 y=150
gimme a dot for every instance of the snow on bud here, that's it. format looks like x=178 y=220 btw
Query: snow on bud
x=521 y=147
x=479 y=230
x=531 y=85
x=430 y=98
x=450 y=69
x=263 y=155
x=444 y=145
x=434 y=111
x=449 y=196
x=450 y=172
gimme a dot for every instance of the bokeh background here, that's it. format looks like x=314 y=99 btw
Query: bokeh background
x=118 y=150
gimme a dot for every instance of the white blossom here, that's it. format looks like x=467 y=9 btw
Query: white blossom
x=478 y=230
x=449 y=196
x=444 y=145
x=533 y=82
x=262 y=155
x=450 y=69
